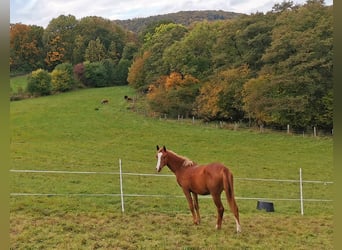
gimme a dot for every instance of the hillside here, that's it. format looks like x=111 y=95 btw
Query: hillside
x=181 y=17
x=69 y=210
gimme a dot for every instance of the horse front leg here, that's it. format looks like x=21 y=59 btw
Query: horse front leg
x=220 y=209
x=195 y=196
x=191 y=205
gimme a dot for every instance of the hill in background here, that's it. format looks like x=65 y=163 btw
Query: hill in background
x=181 y=17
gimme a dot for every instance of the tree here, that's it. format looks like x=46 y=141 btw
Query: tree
x=26 y=48
x=192 y=54
x=221 y=97
x=95 y=51
x=93 y=27
x=59 y=40
x=137 y=74
x=174 y=94
x=79 y=50
x=121 y=72
x=300 y=62
x=56 y=53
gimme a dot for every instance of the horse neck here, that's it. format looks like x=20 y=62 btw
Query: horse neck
x=175 y=163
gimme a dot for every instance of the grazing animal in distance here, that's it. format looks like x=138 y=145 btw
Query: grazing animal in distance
x=104 y=101
x=129 y=99
x=197 y=180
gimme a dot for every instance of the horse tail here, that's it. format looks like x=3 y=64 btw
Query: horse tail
x=228 y=184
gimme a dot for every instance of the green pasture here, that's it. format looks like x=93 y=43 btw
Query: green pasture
x=74 y=132
x=18 y=83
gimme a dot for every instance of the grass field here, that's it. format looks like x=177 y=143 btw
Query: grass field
x=18 y=83
x=74 y=132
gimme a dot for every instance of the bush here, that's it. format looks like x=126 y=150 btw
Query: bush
x=121 y=72
x=62 y=77
x=79 y=72
x=39 y=82
x=95 y=74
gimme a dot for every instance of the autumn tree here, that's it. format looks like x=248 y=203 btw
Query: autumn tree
x=173 y=94
x=150 y=56
x=221 y=97
x=56 y=53
x=137 y=73
x=59 y=39
x=26 y=48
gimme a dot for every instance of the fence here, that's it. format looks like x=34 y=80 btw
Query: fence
x=121 y=193
x=306 y=132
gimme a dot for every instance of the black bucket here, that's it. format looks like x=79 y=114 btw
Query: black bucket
x=268 y=206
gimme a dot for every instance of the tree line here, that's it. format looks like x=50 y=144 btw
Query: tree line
x=268 y=69
x=98 y=51
x=271 y=68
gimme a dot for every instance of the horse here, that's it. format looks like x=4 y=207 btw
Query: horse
x=128 y=99
x=104 y=101
x=197 y=180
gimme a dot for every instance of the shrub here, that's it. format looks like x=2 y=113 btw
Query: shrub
x=95 y=74
x=39 y=82
x=62 y=77
x=79 y=72
x=121 y=72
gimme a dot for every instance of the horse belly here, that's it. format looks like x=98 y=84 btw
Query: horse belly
x=208 y=182
x=200 y=185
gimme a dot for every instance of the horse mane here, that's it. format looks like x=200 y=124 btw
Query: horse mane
x=187 y=162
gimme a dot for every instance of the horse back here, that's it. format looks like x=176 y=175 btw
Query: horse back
x=205 y=179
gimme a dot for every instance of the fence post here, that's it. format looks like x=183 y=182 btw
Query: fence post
x=301 y=191
x=288 y=128
x=121 y=189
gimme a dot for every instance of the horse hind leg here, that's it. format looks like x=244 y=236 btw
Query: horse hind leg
x=220 y=209
x=229 y=190
x=235 y=210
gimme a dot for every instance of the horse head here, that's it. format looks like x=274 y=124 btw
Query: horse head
x=161 y=158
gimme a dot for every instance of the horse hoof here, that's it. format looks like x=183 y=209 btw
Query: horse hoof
x=218 y=227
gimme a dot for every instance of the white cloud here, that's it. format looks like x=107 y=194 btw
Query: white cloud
x=41 y=12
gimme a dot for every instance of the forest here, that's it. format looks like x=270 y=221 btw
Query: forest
x=269 y=69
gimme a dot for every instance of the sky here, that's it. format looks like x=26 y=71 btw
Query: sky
x=41 y=12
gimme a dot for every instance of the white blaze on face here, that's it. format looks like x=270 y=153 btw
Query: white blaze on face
x=159 y=155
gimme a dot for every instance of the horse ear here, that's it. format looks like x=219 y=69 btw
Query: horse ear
x=157 y=147
x=164 y=148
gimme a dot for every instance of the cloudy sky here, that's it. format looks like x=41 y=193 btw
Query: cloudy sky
x=40 y=12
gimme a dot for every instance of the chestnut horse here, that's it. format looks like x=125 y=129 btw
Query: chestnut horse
x=205 y=179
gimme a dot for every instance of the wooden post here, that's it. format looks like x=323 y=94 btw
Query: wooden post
x=288 y=128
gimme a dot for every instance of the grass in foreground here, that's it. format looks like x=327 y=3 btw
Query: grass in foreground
x=67 y=132
x=112 y=230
